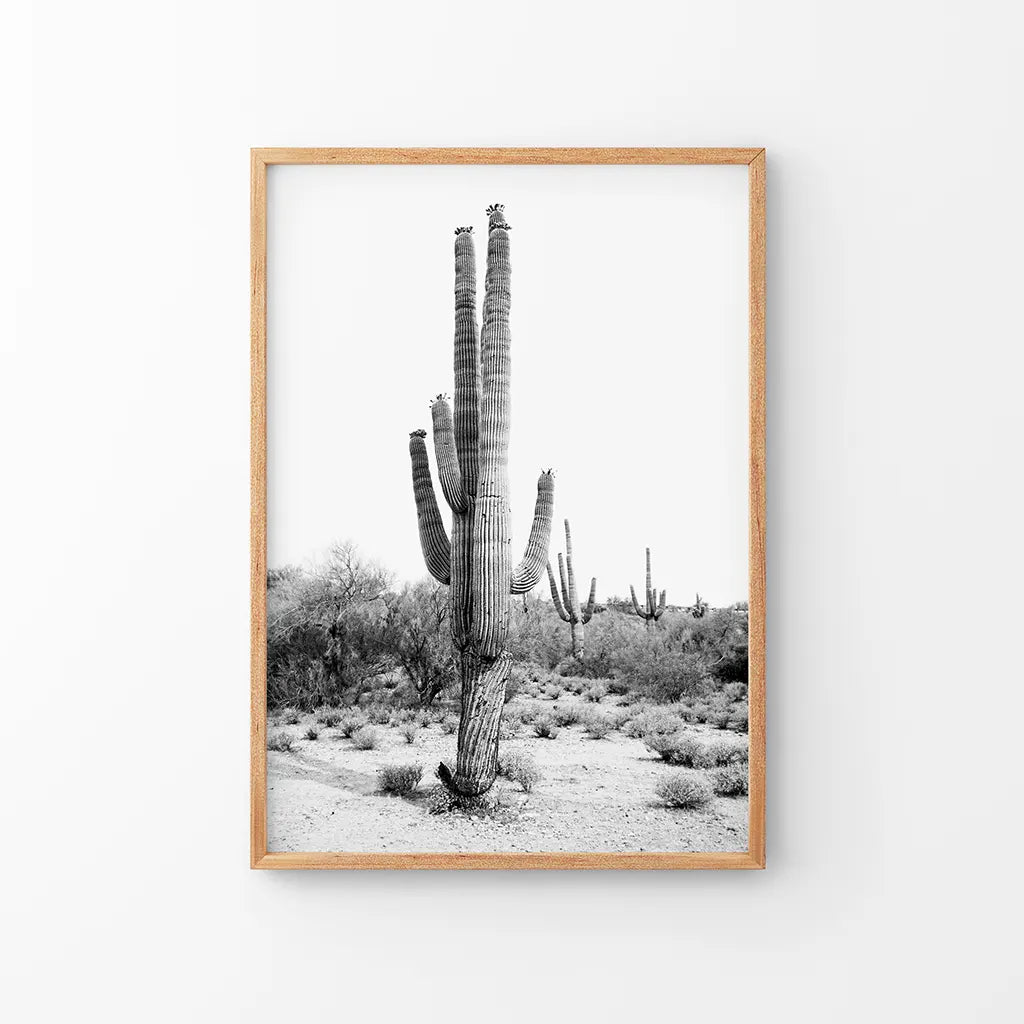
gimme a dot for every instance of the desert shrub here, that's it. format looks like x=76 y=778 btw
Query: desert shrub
x=618 y=687
x=518 y=680
x=409 y=732
x=528 y=713
x=719 y=719
x=735 y=692
x=450 y=724
x=565 y=714
x=350 y=723
x=596 y=693
x=685 y=788
x=418 y=637
x=569 y=679
x=739 y=720
x=545 y=727
x=328 y=717
x=730 y=780
x=366 y=738
x=324 y=629
x=675 y=748
x=378 y=714
x=619 y=717
x=292 y=717
x=688 y=713
x=652 y=721
x=399 y=778
x=699 y=712
x=508 y=729
x=598 y=725
x=607 y=635
x=512 y=715
x=519 y=766
x=721 y=751
x=553 y=691
x=312 y=733
x=279 y=741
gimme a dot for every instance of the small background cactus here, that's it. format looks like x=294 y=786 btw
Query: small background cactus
x=653 y=608
x=567 y=605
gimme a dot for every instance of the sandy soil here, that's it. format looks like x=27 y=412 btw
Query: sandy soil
x=594 y=796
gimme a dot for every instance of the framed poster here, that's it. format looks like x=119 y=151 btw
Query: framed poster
x=508 y=594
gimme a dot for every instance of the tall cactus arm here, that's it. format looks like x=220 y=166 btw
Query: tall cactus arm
x=467 y=361
x=492 y=576
x=526 y=574
x=661 y=607
x=555 y=599
x=569 y=607
x=571 y=598
x=636 y=603
x=433 y=538
x=447 y=459
x=588 y=611
x=495 y=344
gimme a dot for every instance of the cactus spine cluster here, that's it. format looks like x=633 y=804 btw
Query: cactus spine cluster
x=653 y=609
x=471 y=449
x=567 y=605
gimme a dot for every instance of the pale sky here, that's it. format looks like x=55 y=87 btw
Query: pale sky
x=629 y=360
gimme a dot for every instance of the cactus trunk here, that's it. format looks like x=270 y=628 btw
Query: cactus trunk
x=471 y=449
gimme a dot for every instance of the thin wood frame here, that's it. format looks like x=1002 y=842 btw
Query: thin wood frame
x=754 y=857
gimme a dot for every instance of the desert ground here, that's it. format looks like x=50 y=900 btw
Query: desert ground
x=592 y=795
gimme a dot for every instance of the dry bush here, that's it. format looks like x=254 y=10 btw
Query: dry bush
x=410 y=731
x=328 y=717
x=366 y=738
x=574 y=684
x=596 y=693
x=400 y=778
x=351 y=723
x=675 y=748
x=724 y=750
x=528 y=713
x=312 y=733
x=379 y=714
x=648 y=723
x=546 y=727
x=521 y=767
x=565 y=714
x=740 y=719
x=279 y=741
x=730 y=780
x=685 y=788
x=619 y=717
x=553 y=691
x=598 y=725
x=450 y=724
x=291 y=716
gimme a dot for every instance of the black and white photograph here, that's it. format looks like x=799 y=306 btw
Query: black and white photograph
x=507 y=604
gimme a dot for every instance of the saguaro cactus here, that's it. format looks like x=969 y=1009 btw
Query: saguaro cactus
x=651 y=611
x=699 y=608
x=567 y=605
x=471 y=449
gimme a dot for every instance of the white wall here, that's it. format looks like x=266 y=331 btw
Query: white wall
x=895 y=216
